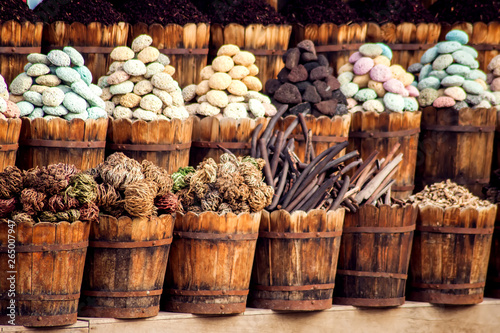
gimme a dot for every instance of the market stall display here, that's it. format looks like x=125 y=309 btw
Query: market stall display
x=50 y=209
x=384 y=109
x=129 y=246
x=223 y=204
x=451 y=246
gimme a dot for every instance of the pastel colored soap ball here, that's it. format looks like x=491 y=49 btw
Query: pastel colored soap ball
x=363 y=66
x=361 y=80
x=386 y=50
x=427 y=97
x=429 y=56
x=355 y=57
x=412 y=91
x=429 y=82
x=453 y=81
x=370 y=50
x=457 y=36
x=448 y=47
x=394 y=102
x=443 y=61
x=443 y=102
x=457 y=93
x=457 y=69
x=349 y=90
x=364 y=95
x=472 y=87
x=395 y=86
x=374 y=105
x=411 y=104
x=381 y=73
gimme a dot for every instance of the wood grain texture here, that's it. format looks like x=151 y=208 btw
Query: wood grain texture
x=215 y=129
x=219 y=267
x=157 y=132
x=95 y=34
x=61 y=130
x=389 y=122
x=451 y=258
x=44 y=274
x=129 y=269
x=374 y=253
x=15 y=34
x=463 y=157
x=282 y=262
x=10 y=130
x=254 y=37
x=191 y=36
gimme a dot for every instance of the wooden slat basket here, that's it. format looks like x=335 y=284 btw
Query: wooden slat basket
x=267 y=42
x=80 y=142
x=493 y=279
x=10 y=130
x=326 y=132
x=186 y=46
x=163 y=142
x=94 y=41
x=210 y=263
x=296 y=260
x=17 y=40
x=48 y=272
x=374 y=256
x=125 y=268
x=372 y=131
x=456 y=145
x=234 y=134
x=450 y=254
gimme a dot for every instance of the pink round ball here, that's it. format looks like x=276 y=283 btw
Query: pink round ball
x=413 y=91
x=381 y=73
x=443 y=102
x=12 y=110
x=395 y=86
x=355 y=57
x=363 y=66
x=495 y=84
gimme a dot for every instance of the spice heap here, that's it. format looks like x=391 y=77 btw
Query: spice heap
x=320 y=182
x=448 y=194
x=448 y=75
x=392 y=11
x=371 y=83
x=452 y=11
x=139 y=84
x=243 y=12
x=233 y=186
x=493 y=78
x=306 y=84
x=320 y=11
x=57 y=85
x=58 y=192
x=159 y=11
x=78 y=11
x=8 y=109
x=229 y=85
x=16 y=10
x=125 y=186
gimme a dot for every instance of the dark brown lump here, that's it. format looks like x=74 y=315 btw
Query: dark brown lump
x=394 y=11
x=16 y=10
x=320 y=11
x=452 y=11
x=83 y=11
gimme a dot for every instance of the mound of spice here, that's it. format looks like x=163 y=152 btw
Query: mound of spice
x=58 y=192
x=229 y=86
x=127 y=187
x=452 y=11
x=243 y=12
x=306 y=84
x=320 y=11
x=392 y=11
x=16 y=10
x=159 y=11
x=139 y=84
x=448 y=194
x=233 y=186
x=78 y=11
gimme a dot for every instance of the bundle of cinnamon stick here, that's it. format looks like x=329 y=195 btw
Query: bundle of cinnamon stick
x=321 y=182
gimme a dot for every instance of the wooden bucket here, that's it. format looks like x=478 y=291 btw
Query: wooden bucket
x=47 y=270
x=126 y=265
x=9 y=138
x=267 y=42
x=374 y=256
x=496 y=146
x=17 y=40
x=79 y=142
x=326 y=132
x=493 y=279
x=450 y=254
x=484 y=37
x=456 y=145
x=234 y=134
x=186 y=46
x=94 y=41
x=163 y=142
x=296 y=260
x=381 y=131
x=336 y=42
x=210 y=263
